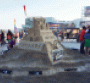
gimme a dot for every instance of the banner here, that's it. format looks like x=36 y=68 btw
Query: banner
x=53 y=25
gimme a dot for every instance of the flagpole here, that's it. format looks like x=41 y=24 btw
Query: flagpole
x=25 y=11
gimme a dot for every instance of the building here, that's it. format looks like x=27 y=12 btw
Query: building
x=77 y=22
x=50 y=19
x=85 y=16
x=29 y=22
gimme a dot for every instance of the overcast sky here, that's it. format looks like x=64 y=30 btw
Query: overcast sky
x=59 y=9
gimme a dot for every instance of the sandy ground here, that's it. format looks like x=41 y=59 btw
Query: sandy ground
x=26 y=60
x=19 y=55
x=64 y=77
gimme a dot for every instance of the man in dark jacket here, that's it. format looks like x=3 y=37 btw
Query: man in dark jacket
x=2 y=37
x=68 y=35
x=82 y=40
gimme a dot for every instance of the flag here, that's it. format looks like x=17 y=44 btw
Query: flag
x=14 y=21
x=15 y=28
x=25 y=10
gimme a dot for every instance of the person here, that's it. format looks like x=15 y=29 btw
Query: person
x=82 y=40
x=78 y=36
x=2 y=37
x=87 y=42
x=55 y=33
x=21 y=35
x=73 y=36
x=9 y=36
x=67 y=35
x=62 y=36
x=16 y=35
x=12 y=43
x=87 y=29
x=5 y=36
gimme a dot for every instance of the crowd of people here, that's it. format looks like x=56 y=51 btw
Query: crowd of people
x=61 y=34
x=83 y=37
x=10 y=38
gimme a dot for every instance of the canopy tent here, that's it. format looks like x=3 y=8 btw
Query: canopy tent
x=63 y=25
x=63 y=28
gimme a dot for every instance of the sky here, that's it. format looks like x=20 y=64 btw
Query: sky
x=67 y=10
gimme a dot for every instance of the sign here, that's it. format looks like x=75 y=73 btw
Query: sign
x=53 y=25
x=57 y=54
x=31 y=45
x=84 y=23
x=87 y=11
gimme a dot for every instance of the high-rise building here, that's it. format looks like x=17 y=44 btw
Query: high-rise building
x=85 y=16
x=85 y=13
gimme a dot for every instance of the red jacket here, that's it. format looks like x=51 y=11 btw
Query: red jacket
x=82 y=35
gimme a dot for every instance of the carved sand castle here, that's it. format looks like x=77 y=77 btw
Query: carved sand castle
x=40 y=38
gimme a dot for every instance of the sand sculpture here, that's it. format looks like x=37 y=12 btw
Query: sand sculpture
x=40 y=38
